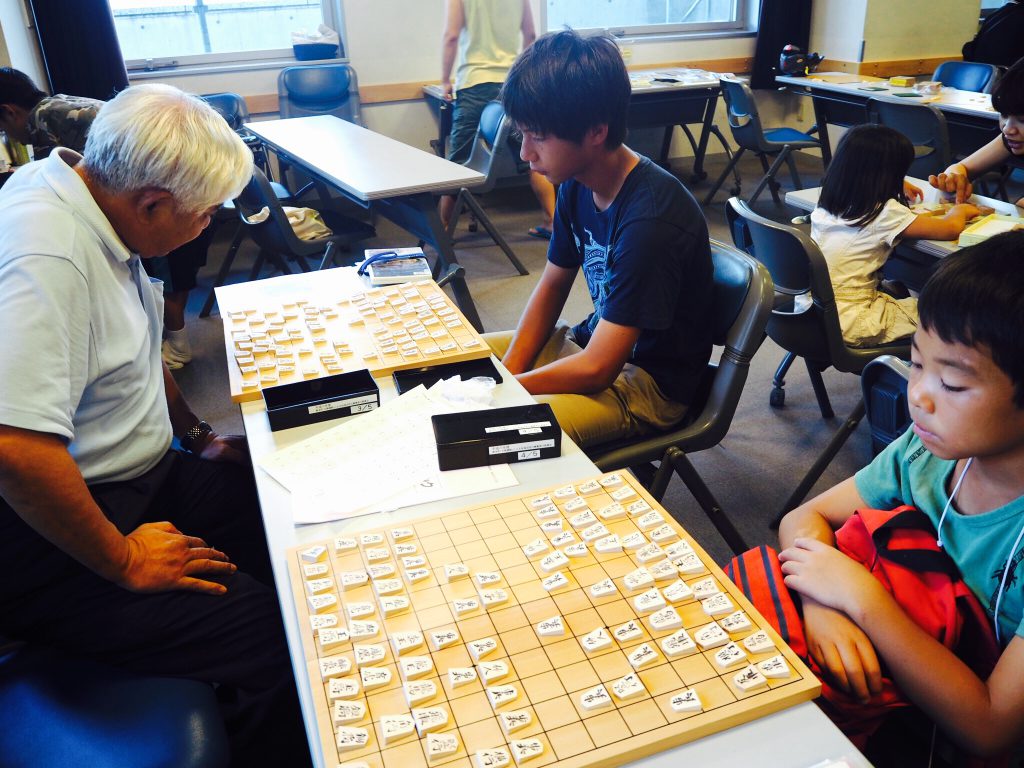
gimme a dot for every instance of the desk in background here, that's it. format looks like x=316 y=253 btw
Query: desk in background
x=840 y=99
x=793 y=738
x=661 y=99
x=381 y=174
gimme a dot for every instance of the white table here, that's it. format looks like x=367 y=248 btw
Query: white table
x=807 y=200
x=798 y=737
x=841 y=99
x=391 y=178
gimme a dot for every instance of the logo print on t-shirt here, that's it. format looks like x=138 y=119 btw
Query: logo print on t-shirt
x=595 y=262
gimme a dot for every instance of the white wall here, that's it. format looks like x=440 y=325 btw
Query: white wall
x=896 y=30
x=18 y=48
x=837 y=28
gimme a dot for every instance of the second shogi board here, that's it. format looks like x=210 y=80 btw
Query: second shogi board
x=293 y=338
x=577 y=627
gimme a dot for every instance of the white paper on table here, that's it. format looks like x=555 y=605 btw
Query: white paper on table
x=322 y=505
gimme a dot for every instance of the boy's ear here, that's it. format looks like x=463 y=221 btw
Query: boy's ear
x=596 y=135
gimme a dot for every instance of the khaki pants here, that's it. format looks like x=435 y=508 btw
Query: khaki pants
x=632 y=406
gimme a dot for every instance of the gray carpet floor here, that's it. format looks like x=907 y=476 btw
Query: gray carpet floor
x=751 y=472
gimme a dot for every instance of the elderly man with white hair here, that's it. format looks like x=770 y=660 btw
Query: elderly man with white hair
x=106 y=532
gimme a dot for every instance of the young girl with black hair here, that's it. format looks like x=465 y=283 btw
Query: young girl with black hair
x=862 y=211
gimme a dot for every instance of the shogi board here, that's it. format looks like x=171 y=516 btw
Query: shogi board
x=382 y=329
x=551 y=673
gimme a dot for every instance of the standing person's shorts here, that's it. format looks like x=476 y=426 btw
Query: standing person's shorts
x=469 y=103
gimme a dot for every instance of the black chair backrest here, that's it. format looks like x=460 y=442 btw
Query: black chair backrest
x=924 y=125
x=741 y=112
x=805 y=319
x=231 y=107
x=491 y=154
x=319 y=89
x=740 y=309
x=967 y=75
x=273 y=233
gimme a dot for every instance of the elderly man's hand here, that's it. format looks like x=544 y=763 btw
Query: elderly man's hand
x=162 y=559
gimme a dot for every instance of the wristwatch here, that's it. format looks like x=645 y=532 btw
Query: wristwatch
x=195 y=436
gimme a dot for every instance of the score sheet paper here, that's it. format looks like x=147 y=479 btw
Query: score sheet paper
x=383 y=460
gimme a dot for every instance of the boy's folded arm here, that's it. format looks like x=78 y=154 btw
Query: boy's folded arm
x=939 y=682
x=842 y=650
x=930 y=675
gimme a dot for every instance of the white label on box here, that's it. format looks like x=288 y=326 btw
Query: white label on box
x=527 y=455
x=352 y=401
x=516 y=447
x=520 y=427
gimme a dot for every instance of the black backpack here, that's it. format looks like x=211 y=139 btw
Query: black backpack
x=1001 y=37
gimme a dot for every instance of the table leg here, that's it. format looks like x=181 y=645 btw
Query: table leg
x=705 y=133
x=821 y=120
x=417 y=214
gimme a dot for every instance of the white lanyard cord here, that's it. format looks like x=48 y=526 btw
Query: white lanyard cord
x=1002 y=584
x=945 y=510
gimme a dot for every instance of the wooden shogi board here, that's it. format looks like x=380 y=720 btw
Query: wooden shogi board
x=551 y=674
x=382 y=329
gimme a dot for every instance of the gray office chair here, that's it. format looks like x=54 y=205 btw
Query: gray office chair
x=745 y=123
x=967 y=75
x=490 y=156
x=741 y=307
x=924 y=125
x=884 y=385
x=804 y=321
x=319 y=89
x=277 y=240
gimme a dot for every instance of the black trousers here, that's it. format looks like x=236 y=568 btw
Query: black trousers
x=235 y=640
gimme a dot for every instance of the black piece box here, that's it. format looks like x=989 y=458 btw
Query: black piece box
x=496 y=436
x=409 y=378
x=313 y=400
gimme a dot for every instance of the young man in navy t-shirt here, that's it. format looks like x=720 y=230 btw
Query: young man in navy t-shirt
x=633 y=365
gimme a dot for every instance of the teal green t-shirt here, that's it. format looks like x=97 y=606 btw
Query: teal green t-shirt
x=908 y=473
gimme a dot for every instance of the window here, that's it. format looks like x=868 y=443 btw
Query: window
x=164 y=33
x=645 y=17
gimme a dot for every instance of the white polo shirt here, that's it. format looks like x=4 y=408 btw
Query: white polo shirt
x=80 y=326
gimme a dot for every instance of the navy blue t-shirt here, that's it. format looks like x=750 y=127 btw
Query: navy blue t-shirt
x=647 y=262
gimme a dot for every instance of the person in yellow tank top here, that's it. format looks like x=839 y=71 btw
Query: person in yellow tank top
x=485 y=37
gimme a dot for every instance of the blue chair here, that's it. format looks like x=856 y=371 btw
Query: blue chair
x=319 y=89
x=924 y=125
x=59 y=711
x=745 y=123
x=967 y=75
x=491 y=157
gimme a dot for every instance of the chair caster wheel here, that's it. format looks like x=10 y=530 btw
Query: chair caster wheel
x=777 y=399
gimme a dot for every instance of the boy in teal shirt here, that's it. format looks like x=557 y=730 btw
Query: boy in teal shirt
x=962 y=464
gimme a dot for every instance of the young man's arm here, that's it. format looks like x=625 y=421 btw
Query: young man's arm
x=590 y=370
x=454 y=21
x=539 y=317
x=841 y=648
x=985 y=716
x=42 y=484
x=526 y=27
